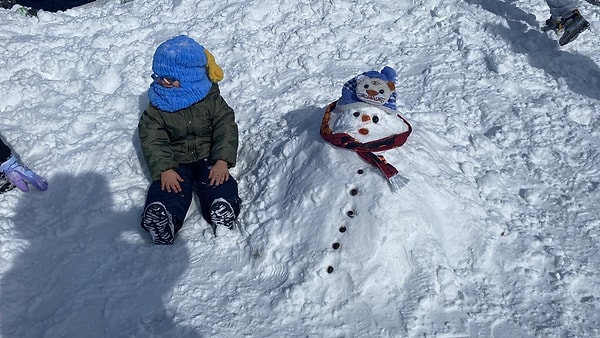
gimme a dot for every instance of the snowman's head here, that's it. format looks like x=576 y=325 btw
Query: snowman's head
x=365 y=119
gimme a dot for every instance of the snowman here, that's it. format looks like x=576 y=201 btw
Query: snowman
x=365 y=120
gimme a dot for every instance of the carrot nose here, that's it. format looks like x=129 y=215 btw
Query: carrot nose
x=365 y=118
x=372 y=92
x=363 y=131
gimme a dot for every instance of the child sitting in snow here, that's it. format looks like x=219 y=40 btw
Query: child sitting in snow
x=189 y=139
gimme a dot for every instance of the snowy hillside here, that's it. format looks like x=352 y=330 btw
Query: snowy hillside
x=496 y=234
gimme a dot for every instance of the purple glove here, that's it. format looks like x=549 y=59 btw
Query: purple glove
x=20 y=175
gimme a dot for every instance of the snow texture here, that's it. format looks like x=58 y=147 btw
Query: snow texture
x=496 y=235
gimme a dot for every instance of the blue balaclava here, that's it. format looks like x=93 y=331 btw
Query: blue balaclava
x=183 y=59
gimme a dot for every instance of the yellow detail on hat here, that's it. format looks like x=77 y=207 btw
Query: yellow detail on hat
x=215 y=73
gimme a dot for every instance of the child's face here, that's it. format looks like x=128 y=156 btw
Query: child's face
x=169 y=84
x=166 y=81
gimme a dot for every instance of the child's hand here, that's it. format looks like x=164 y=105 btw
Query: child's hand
x=218 y=173
x=169 y=180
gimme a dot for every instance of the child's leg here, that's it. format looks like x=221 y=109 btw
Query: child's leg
x=558 y=8
x=177 y=204
x=207 y=194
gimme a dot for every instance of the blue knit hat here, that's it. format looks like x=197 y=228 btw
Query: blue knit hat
x=183 y=59
x=371 y=88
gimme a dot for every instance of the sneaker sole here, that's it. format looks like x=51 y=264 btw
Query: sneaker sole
x=152 y=228
x=217 y=217
x=5 y=184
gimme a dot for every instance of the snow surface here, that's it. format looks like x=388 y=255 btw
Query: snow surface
x=496 y=235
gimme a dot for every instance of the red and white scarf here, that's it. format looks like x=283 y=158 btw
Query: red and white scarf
x=365 y=150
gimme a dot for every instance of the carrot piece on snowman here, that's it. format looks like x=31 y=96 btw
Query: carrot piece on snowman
x=365 y=120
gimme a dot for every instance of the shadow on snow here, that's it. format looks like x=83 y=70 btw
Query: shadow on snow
x=579 y=72
x=86 y=270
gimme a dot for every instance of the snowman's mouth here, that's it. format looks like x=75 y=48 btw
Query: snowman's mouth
x=363 y=131
x=373 y=98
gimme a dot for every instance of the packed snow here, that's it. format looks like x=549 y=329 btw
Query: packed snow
x=497 y=233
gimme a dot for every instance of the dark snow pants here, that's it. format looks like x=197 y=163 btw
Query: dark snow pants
x=195 y=180
x=5 y=152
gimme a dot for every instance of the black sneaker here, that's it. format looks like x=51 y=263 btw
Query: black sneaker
x=5 y=184
x=7 y=4
x=159 y=223
x=574 y=24
x=222 y=214
x=553 y=25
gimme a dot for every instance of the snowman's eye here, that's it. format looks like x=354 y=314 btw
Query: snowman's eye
x=356 y=114
x=381 y=91
x=375 y=119
x=366 y=86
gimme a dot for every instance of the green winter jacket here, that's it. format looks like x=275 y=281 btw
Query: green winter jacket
x=206 y=129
